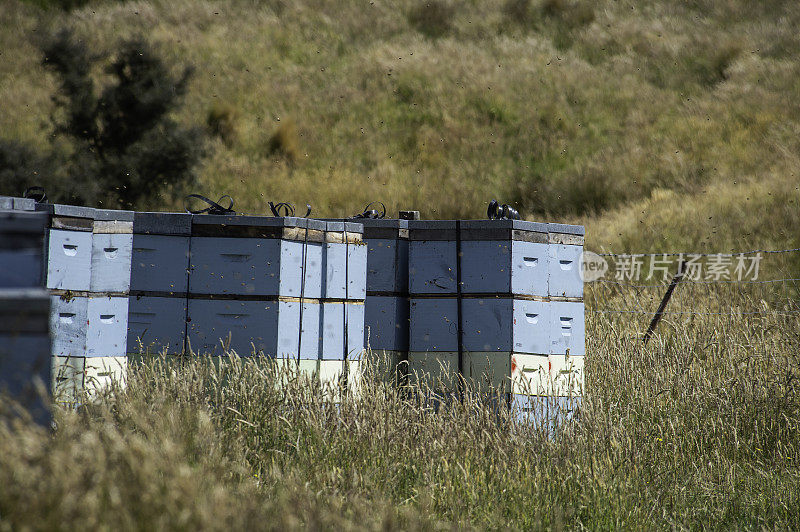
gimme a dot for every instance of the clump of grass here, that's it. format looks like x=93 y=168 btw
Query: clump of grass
x=285 y=142
x=221 y=121
x=433 y=18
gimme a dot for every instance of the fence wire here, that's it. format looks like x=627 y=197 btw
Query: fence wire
x=783 y=292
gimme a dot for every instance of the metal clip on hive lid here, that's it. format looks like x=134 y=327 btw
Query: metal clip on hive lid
x=35 y=193
x=286 y=210
x=501 y=212
x=214 y=207
x=373 y=214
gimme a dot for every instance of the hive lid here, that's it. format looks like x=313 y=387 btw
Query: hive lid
x=432 y=229
x=24 y=204
x=113 y=215
x=566 y=229
x=23 y=222
x=342 y=225
x=383 y=228
x=162 y=223
x=478 y=230
x=70 y=211
x=246 y=226
x=504 y=230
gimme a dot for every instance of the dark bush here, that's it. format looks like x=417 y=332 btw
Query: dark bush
x=125 y=148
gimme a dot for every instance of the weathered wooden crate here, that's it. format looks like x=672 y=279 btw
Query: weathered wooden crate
x=503 y=257
x=434 y=324
x=432 y=264
x=76 y=379
x=69 y=324
x=387 y=256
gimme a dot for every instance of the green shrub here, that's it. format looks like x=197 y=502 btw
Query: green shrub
x=126 y=148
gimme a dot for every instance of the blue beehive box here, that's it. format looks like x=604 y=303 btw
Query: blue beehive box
x=568 y=332
x=344 y=261
x=386 y=322
x=497 y=257
x=112 y=243
x=544 y=412
x=387 y=256
x=160 y=256
x=565 y=250
x=504 y=257
x=69 y=256
x=432 y=260
x=158 y=306
x=268 y=327
x=505 y=325
x=69 y=324
x=338 y=321
x=17 y=204
x=434 y=324
x=22 y=249
x=107 y=326
x=256 y=256
x=156 y=324
x=25 y=349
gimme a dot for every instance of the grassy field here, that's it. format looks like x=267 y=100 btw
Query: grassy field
x=699 y=430
x=661 y=126
x=657 y=124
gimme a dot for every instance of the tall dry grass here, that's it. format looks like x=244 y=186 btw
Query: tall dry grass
x=701 y=429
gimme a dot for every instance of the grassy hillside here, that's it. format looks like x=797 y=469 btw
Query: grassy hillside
x=657 y=124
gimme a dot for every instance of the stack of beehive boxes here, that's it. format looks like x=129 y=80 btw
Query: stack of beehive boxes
x=387 y=305
x=290 y=289
x=157 y=307
x=498 y=303
x=25 y=364
x=88 y=275
x=255 y=285
x=342 y=308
